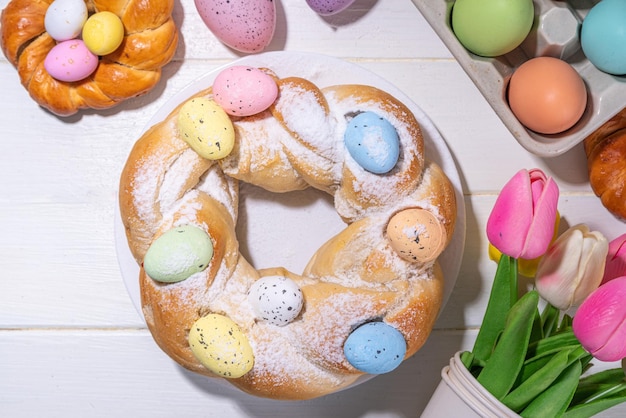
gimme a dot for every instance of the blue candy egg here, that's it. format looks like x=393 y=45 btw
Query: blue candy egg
x=373 y=142
x=603 y=36
x=375 y=348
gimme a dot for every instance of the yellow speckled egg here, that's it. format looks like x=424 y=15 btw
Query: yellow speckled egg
x=103 y=33
x=220 y=345
x=206 y=127
x=416 y=235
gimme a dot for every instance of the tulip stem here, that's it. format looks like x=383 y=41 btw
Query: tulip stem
x=501 y=299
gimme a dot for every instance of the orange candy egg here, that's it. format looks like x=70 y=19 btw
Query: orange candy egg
x=547 y=95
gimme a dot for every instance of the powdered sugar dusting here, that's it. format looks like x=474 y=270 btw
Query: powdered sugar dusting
x=310 y=348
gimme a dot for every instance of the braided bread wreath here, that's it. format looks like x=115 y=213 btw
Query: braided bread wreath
x=133 y=69
x=356 y=278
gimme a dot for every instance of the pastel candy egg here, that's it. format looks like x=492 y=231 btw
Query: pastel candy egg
x=375 y=348
x=245 y=25
x=220 y=345
x=275 y=299
x=329 y=7
x=244 y=91
x=416 y=235
x=178 y=253
x=70 y=61
x=103 y=33
x=64 y=19
x=207 y=129
x=603 y=36
x=372 y=142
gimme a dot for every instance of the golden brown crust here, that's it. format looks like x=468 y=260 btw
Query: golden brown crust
x=606 y=158
x=133 y=69
x=354 y=278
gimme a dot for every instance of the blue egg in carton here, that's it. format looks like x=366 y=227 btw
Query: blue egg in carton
x=556 y=33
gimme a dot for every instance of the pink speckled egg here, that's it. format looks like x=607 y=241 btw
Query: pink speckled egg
x=329 y=7
x=70 y=61
x=244 y=25
x=243 y=91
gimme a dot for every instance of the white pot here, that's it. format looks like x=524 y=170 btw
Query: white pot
x=460 y=395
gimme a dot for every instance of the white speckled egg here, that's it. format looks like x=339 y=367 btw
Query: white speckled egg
x=276 y=299
x=64 y=19
x=245 y=25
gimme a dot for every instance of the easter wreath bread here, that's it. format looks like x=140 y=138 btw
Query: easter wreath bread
x=355 y=278
x=606 y=155
x=133 y=69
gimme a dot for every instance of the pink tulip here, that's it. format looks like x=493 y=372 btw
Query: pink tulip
x=600 y=322
x=572 y=267
x=616 y=259
x=521 y=223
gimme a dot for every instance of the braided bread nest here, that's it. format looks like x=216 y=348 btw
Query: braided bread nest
x=606 y=162
x=133 y=69
x=354 y=279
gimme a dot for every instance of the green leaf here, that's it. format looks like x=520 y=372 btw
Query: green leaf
x=553 y=402
x=606 y=392
x=532 y=384
x=550 y=320
x=537 y=382
x=552 y=343
x=566 y=323
x=593 y=408
x=606 y=376
x=500 y=301
x=536 y=333
x=500 y=372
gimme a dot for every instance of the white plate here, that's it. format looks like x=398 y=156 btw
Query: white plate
x=276 y=229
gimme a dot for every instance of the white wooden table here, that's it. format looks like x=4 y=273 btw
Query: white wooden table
x=71 y=341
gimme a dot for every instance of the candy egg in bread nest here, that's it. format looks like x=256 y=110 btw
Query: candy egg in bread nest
x=292 y=335
x=133 y=69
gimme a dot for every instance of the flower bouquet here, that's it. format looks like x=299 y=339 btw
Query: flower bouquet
x=534 y=351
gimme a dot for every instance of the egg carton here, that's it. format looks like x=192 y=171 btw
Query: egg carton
x=555 y=33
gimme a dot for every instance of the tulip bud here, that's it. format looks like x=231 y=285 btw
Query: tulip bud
x=572 y=267
x=600 y=322
x=522 y=220
x=616 y=259
x=527 y=268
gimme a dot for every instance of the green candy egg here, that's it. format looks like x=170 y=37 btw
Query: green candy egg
x=492 y=27
x=178 y=253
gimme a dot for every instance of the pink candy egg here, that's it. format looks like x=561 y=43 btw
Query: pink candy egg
x=244 y=91
x=244 y=25
x=329 y=7
x=70 y=61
